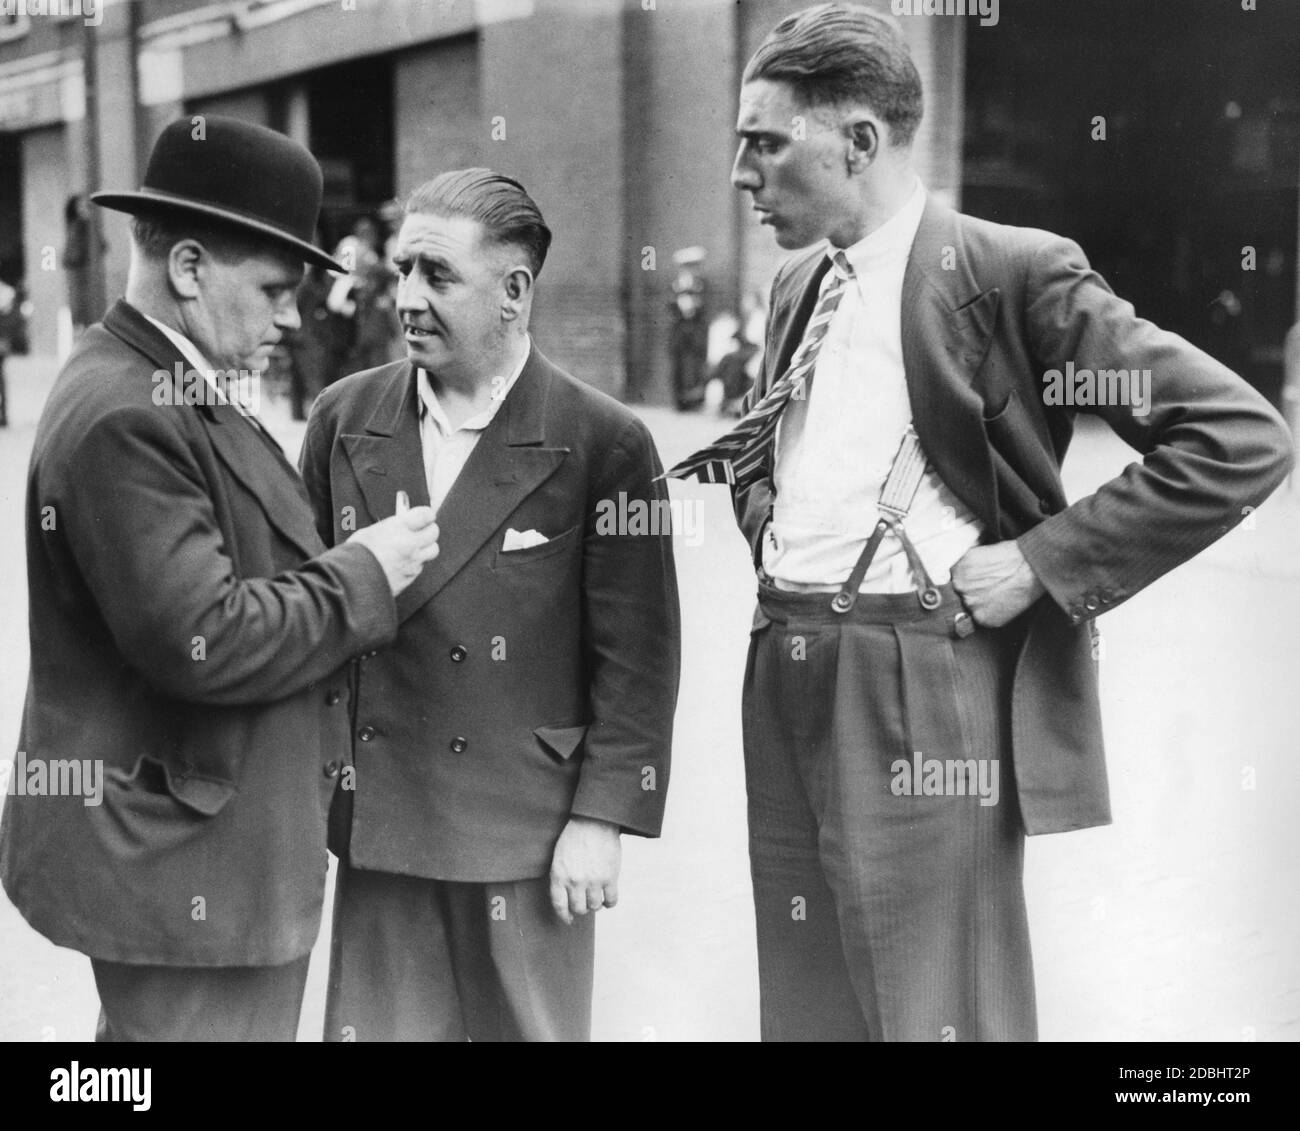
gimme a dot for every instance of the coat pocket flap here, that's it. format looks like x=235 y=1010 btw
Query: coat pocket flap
x=561 y=741
x=149 y=775
x=203 y=795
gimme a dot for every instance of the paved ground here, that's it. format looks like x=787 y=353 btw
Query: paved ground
x=1177 y=922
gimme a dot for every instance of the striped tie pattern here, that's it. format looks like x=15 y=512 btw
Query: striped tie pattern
x=740 y=456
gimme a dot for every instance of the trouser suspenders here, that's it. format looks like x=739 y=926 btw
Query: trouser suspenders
x=895 y=501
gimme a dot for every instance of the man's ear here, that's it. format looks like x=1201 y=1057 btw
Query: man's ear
x=519 y=286
x=185 y=263
x=864 y=139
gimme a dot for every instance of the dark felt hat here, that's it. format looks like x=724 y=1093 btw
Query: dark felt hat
x=244 y=175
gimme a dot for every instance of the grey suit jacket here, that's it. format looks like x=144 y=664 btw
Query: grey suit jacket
x=988 y=310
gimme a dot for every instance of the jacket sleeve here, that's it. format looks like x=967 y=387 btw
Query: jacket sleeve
x=631 y=633
x=140 y=522
x=1212 y=447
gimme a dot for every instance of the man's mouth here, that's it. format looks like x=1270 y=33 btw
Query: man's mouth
x=417 y=332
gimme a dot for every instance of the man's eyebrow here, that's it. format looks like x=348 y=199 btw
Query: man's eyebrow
x=758 y=135
x=426 y=262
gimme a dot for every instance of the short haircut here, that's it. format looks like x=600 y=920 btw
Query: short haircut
x=838 y=54
x=156 y=233
x=508 y=214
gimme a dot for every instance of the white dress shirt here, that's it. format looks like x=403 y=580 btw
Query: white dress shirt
x=445 y=448
x=834 y=447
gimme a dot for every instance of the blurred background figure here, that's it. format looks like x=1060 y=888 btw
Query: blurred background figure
x=316 y=351
x=689 y=340
x=365 y=300
x=78 y=232
x=13 y=336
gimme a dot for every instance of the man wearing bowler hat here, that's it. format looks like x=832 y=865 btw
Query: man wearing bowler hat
x=186 y=716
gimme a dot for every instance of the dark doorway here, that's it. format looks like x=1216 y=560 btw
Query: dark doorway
x=350 y=107
x=12 y=265
x=1201 y=157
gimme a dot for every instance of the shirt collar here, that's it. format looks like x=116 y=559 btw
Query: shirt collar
x=891 y=241
x=189 y=351
x=430 y=405
x=233 y=390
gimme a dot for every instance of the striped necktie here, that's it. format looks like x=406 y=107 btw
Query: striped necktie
x=740 y=457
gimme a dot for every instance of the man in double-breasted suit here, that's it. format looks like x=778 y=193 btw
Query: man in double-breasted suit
x=522 y=719
x=921 y=689
x=186 y=716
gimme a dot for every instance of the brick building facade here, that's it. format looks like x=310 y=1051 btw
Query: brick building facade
x=618 y=116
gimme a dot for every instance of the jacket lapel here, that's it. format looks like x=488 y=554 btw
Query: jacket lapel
x=388 y=457
x=509 y=462
x=799 y=299
x=254 y=462
x=947 y=326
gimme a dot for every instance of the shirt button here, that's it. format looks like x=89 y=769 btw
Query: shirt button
x=331 y=769
x=332 y=698
x=458 y=653
x=459 y=745
x=366 y=734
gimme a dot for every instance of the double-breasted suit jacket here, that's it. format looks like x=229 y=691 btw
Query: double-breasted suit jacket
x=189 y=631
x=988 y=311
x=525 y=686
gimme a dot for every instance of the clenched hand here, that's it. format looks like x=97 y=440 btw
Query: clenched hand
x=584 y=867
x=402 y=544
x=996 y=583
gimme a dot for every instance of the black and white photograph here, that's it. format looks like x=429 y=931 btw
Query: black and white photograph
x=656 y=521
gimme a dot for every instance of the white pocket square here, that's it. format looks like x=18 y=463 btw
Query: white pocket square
x=521 y=540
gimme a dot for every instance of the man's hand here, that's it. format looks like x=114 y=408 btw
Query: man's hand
x=402 y=544
x=584 y=867
x=996 y=583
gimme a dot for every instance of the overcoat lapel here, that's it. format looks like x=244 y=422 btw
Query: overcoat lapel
x=257 y=464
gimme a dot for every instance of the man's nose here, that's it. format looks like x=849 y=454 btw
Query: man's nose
x=411 y=297
x=743 y=176
x=287 y=317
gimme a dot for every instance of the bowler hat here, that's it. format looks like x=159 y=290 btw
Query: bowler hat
x=235 y=172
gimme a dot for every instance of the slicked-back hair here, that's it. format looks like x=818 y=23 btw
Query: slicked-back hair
x=500 y=203
x=843 y=54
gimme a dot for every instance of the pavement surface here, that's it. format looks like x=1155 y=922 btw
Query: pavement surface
x=1177 y=922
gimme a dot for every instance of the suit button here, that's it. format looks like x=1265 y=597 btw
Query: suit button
x=332 y=699
x=1045 y=505
x=331 y=769
x=1092 y=604
x=459 y=745
x=458 y=653
x=366 y=734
